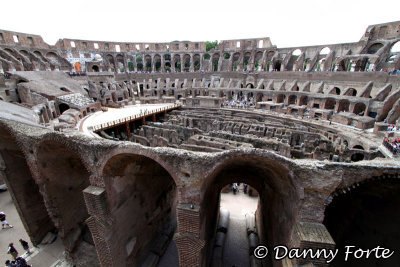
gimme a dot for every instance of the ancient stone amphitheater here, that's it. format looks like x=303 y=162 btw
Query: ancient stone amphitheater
x=121 y=148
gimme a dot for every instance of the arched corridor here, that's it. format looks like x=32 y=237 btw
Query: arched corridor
x=276 y=208
x=366 y=217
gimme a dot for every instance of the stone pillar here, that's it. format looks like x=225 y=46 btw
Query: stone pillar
x=187 y=238
x=162 y=63
x=191 y=68
x=173 y=63
x=153 y=64
x=201 y=61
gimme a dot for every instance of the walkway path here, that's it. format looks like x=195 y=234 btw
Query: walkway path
x=236 y=249
x=43 y=256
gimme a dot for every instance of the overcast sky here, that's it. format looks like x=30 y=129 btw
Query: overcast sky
x=287 y=23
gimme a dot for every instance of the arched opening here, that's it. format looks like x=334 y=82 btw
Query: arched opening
x=350 y=92
x=142 y=199
x=24 y=189
x=374 y=48
x=95 y=68
x=325 y=51
x=250 y=85
x=276 y=209
x=359 y=109
x=343 y=105
x=395 y=48
x=235 y=60
x=277 y=65
x=303 y=100
x=330 y=103
x=358 y=147
x=65 y=177
x=246 y=59
x=280 y=98
x=215 y=61
x=335 y=91
x=366 y=217
x=196 y=62
x=296 y=52
x=292 y=100
x=63 y=107
x=77 y=66
x=120 y=63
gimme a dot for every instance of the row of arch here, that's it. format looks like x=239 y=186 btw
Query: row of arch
x=143 y=185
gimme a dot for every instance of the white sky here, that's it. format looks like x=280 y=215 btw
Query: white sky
x=288 y=23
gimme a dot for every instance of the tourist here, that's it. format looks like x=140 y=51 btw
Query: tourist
x=25 y=245
x=11 y=250
x=3 y=221
x=244 y=188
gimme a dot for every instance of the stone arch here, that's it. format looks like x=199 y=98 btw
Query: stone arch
x=258 y=65
x=296 y=52
x=23 y=187
x=350 y=92
x=246 y=60
x=364 y=212
x=215 y=61
x=292 y=100
x=276 y=211
x=64 y=176
x=157 y=62
x=359 y=109
x=186 y=62
x=110 y=61
x=303 y=100
x=373 y=48
x=343 y=105
x=324 y=51
x=196 y=62
x=63 y=107
x=330 y=103
x=395 y=47
x=148 y=63
x=142 y=199
x=280 y=98
x=235 y=61
x=335 y=91
x=177 y=63
x=120 y=63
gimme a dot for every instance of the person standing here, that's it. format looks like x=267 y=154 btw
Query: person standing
x=25 y=245
x=11 y=250
x=3 y=221
x=245 y=188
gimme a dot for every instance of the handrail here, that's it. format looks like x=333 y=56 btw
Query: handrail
x=146 y=113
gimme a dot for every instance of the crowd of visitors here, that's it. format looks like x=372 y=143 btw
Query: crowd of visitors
x=240 y=103
x=393 y=145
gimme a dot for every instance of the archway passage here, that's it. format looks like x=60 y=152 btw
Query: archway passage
x=65 y=177
x=23 y=189
x=366 y=217
x=142 y=203
x=63 y=107
x=277 y=204
x=241 y=201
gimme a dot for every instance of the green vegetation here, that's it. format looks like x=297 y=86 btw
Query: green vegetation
x=207 y=56
x=130 y=66
x=211 y=45
x=227 y=56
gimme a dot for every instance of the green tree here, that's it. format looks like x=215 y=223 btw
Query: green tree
x=211 y=45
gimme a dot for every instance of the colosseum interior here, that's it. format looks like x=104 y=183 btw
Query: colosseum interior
x=123 y=149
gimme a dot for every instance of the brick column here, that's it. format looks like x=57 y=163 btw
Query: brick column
x=99 y=223
x=187 y=238
x=311 y=235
